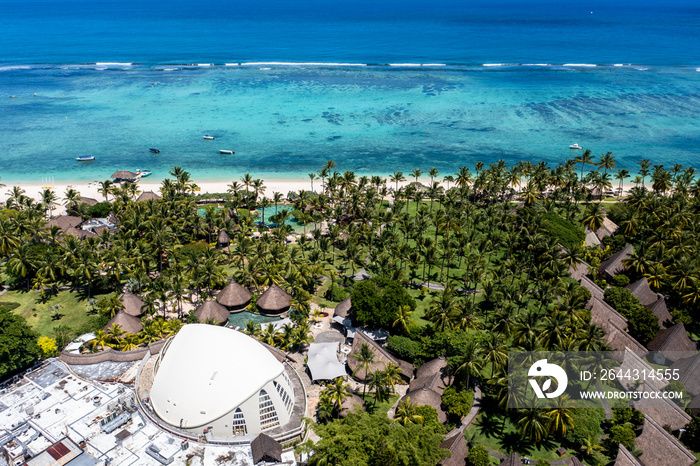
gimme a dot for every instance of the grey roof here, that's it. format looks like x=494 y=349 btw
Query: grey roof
x=323 y=363
x=596 y=291
x=223 y=238
x=579 y=271
x=129 y=324
x=147 y=196
x=672 y=339
x=274 y=300
x=625 y=458
x=661 y=311
x=78 y=232
x=660 y=447
x=132 y=304
x=458 y=448
x=602 y=312
x=265 y=448
x=591 y=239
x=619 y=339
x=211 y=310
x=614 y=265
x=663 y=411
x=641 y=290
x=633 y=362
x=234 y=296
x=88 y=200
x=689 y=369
x=343 y=308
x=361 y=275
x=428 y=386
x=64 y=222
x=607 y=229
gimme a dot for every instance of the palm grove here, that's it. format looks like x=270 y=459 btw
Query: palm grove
x=487 y=249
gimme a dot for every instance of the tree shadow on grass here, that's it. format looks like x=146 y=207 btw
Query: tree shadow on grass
x=514 y=442
x=491 y=425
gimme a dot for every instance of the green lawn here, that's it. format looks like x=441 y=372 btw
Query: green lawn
x=383 y=407
x=40 y=315
x=490 y=430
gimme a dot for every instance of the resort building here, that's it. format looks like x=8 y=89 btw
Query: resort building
x=194 y=392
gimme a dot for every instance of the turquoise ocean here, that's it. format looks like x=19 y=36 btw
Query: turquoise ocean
x=376 y=86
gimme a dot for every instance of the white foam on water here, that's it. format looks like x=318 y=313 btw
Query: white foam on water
x=582 y=65
x=113 y=64
x=493 y=64
x=288 y=63
x=231 y=64
x=537 y=64
x=17 y=67
x=412 y=65
x=433 y=64
x=203 y=64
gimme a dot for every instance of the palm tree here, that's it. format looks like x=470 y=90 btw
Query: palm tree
x=533 y=424
x=644 y=165
x=396 y=178
x=621 y=175
x=406 y=413
x=312 y=177
x=403 y=319
x=338 y=392
x=560 y=417
x=584 y=159
x=593 y=217
x=48 y=199
x=105 y=188
x=365 y=358
x=607 y=162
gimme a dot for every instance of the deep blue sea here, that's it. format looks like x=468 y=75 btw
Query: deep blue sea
x=377 y=86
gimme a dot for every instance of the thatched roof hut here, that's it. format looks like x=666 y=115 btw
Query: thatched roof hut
x=64 y=222
x=265 y=448
x=123 y=175
x=625 y=458
x=660 y=447
x=613 y=265
x=689 y=369
x=147 y=196
x=661 y=311
x=88 y=200
x=78 y=232
x=343 y=308
x=361 y=275
x=211 y=310
x=349 y=403
x=579 y=271
x=591 y=239
x=234 y=296
x=669 y=340
x=458 y=447
x=512 y=460
x=619 y=339
x=596 y=291
x=223 y=239
x=381 y=359
x=129 y=324
x=641 y=290
x=663 y=411
x=634 y=363
x=133 y=305
x=428 y=386
x=608 y=229
x=602 y=312
x=274 y=300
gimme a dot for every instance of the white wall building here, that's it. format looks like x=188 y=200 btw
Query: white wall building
x=217 y=379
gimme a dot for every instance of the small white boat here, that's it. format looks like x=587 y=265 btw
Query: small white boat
x=575 y=146
x=208 y=137
x=143 y=173
x=224 y=151
x=85 y=158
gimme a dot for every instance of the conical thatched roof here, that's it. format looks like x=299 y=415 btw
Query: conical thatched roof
x=224 y=239
x=512 y=460
x=132 y=304
x=343 y=308
x=234 y=296
x=349 y=404
x=147 y=196
x=212 y=310
x=274 y=300
x=129 y=324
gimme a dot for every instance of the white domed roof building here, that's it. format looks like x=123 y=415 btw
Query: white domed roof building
x=221 y=381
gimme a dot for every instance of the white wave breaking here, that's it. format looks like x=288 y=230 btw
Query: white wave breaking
x=581 y=65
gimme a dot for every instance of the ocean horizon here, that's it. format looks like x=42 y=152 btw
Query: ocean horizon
x=376 y=86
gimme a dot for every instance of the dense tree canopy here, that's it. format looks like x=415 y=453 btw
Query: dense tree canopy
x=376 y=302
x=18 y=343
x=361 y=439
